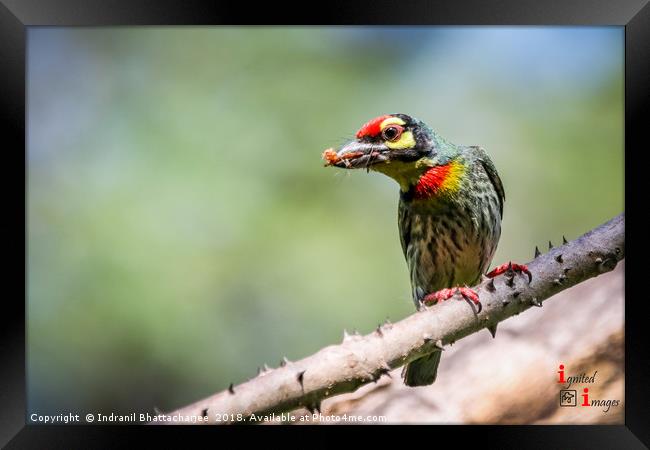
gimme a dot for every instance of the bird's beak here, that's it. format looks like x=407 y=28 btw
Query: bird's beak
x=356 y=155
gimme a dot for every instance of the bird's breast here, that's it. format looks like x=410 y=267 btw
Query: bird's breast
x=448 y=246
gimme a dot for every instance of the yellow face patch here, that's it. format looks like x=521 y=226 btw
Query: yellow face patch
x=406 y=140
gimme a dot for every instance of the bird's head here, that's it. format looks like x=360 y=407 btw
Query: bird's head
x=396 y=145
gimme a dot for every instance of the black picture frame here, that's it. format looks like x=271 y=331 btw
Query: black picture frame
x=17 y=15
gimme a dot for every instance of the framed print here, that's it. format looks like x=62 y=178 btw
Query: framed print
x=395 y=216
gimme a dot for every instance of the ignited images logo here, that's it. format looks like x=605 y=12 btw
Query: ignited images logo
x=569 y=397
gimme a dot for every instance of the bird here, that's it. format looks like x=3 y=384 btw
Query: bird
x=449 y=213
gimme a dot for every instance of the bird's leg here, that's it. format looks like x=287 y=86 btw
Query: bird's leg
x=445 y=294
x=503 y=268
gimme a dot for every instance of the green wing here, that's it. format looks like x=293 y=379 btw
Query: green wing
x=492 y=174
x=404 y=225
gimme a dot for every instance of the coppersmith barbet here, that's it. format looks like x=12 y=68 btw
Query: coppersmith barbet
x=449 y=212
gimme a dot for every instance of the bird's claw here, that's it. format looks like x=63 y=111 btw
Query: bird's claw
x=445 y=294
x=503 y=268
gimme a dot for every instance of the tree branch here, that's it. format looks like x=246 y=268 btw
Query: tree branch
x=358 y=360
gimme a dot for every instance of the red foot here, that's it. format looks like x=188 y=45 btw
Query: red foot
x=445 y=294
x=521 y=268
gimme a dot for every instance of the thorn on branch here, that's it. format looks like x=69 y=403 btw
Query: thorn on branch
x=537 y=252
x=301 y=378
x=559 y=259
x=608 y=264
x=231 y=389
x=313 y=406
x=490 y=285
x=385 y=368
x=564 y=241
x=550 y=245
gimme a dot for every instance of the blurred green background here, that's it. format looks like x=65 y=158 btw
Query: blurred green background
x=182 y=230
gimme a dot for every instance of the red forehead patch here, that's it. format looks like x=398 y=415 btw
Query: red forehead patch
x=371 y=128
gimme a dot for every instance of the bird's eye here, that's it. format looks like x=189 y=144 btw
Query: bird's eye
x=392 y=133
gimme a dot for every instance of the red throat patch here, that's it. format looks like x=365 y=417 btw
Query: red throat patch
x=371 y=128
x=431 y=181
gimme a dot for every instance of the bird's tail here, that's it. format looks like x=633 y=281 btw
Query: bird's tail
x=422 y=371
